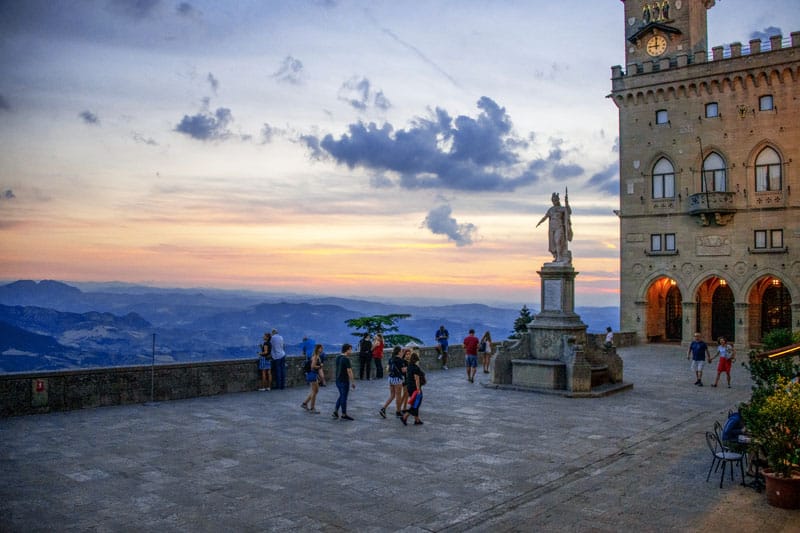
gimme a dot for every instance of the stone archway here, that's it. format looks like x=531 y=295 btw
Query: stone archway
x=663 y=316
x=715 y=314
x=723 y=315
x=770 y=307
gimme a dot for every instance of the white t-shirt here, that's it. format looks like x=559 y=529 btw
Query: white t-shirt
x=277 y=347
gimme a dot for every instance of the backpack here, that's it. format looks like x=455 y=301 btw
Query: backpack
x=307 y=365
x=482 y=347
x=422 y=380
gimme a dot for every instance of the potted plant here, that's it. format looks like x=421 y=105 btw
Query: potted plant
x=772 y=419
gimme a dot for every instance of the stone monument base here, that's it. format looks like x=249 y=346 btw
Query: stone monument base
x=539 y=373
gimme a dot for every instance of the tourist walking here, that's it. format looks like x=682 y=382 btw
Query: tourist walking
x=414 y=381
x=364 y=357
x=727 y=354
x=396 y=366
x=471 y=355
x=405 y=355
x=377 y=355
x=265 y=363
x=698 y=353
x=278 y=359
x=312 y=378
x=344 y=381
x=485 y=348
x=442 y=336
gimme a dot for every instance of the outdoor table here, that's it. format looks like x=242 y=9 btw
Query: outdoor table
x=751 y=450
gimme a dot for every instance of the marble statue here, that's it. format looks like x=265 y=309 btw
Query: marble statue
x=560 y=231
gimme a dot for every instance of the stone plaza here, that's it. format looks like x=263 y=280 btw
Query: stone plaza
x=485 y=460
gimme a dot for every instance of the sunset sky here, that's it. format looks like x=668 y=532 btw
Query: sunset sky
x=383 y=148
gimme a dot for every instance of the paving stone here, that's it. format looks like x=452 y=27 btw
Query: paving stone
x=485 y=460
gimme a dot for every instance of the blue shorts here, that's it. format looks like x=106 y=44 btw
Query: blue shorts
x=264 y=363
x=472 y=361
x=312 y=377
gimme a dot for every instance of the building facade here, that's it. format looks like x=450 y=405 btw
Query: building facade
x=709 y=183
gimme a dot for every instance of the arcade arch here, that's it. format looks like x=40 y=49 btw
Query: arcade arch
x=663 y=316
x=770 y=307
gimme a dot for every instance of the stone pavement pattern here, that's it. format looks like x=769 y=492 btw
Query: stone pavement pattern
x=485 y=460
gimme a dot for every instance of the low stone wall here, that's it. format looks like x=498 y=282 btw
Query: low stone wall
x=622 y=339
x=26 y=393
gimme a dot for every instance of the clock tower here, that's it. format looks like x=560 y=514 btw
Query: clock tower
x=664 y=29
x=708 y=148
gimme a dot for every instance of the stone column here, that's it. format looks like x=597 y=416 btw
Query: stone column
x=742 y=325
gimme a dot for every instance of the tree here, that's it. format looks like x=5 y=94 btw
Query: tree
x=521 y=323
x=383 y=324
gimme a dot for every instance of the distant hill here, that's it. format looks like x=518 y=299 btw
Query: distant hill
x=113 y=327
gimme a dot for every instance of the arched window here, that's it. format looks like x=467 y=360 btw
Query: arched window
x=663 y=179
x=768 y=171
x=714 y=174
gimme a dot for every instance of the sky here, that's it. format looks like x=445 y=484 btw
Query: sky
x=383 y=149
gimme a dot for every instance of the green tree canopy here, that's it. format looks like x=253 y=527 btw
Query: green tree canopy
x=386 y=325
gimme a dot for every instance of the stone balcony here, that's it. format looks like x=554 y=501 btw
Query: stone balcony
x=716 y=206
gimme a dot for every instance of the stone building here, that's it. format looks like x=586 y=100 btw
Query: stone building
x=709 y=182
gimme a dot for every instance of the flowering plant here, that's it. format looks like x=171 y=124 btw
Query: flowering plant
x=773 y=420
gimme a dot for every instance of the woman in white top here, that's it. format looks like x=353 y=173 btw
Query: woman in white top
x=485 y=347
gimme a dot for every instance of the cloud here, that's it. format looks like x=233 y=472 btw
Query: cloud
x=206 y=126
x=766 y=33
x=185 y=9
x=214 y=82
x=462 y=153
x=440 y=222
x=139 y=138
x=607 y=180
x=358 y=93
x=89 y=118
x=4 y=105
x=8 y=194
x=381 y=102
x=290 y=71
x=355 y=92
x=137 y=9
x=567 y=171
x=267 y=132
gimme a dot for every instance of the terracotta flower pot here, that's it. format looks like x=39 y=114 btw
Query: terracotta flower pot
x=781 y=491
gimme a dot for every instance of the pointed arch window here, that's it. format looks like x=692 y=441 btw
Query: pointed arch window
x=768 y=171
x=663 y=179
x=714 y=174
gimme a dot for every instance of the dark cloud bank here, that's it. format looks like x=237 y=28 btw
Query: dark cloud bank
x=442 y=152
x=445 y=153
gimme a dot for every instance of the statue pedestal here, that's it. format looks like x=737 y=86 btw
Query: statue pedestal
x=556 y=337
x=558 y=317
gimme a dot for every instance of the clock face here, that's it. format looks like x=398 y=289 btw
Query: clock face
x=657 y=45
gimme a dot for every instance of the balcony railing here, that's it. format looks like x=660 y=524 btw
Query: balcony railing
x=716 y=205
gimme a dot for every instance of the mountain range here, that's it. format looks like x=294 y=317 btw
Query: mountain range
x=50 y=325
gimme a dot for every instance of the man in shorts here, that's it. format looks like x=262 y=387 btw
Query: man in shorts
x=698 y=353
x=471 y=352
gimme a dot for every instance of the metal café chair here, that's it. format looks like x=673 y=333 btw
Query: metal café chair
x=722 y=456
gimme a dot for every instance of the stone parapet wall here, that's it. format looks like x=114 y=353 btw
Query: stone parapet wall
x=25 y=393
